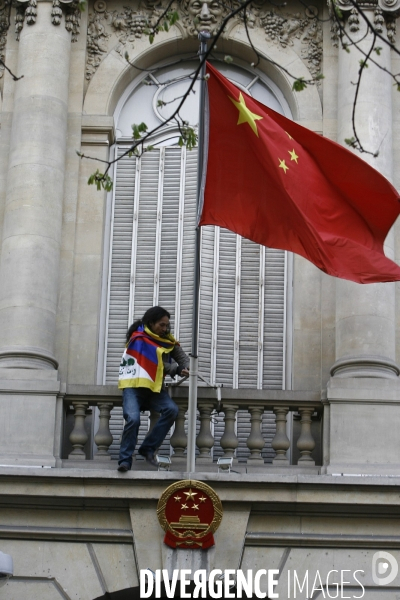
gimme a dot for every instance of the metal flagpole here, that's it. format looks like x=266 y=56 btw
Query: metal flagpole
x=193 y=376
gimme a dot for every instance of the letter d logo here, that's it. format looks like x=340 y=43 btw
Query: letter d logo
x=384 y=568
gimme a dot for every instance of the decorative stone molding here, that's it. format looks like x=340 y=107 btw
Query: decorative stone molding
x=27 y=12
x=302 y=30
x=4 y=25
x=28 y=357
x=291 y=29
x=126 y=25
x=365 y=366
x=56 y=13
x=388 y=6
x=353 y=20
x=379 y=20
x=97 y=45
x=391 y=28
x=384 y=12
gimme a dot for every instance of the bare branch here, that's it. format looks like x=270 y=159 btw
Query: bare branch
x=15 y=78
x=356 y=143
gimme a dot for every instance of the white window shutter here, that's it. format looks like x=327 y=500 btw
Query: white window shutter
x=120 y=264
x=274 y=319
x=226 y=308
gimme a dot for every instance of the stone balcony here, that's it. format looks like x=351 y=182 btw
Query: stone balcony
x=294 y=449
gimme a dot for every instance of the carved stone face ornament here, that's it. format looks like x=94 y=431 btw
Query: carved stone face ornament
x=205 y=13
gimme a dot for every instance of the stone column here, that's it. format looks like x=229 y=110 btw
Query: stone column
x=29 y=268
x=364 y=391
x=365 y=314
x=30 y=250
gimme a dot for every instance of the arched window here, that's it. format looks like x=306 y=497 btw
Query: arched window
x=244 y=338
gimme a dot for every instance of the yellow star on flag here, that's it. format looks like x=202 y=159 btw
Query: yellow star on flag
x=283 y=165
x=245 y=114
x=293 y=156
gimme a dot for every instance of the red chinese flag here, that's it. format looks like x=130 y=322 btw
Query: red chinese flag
x=283 y=186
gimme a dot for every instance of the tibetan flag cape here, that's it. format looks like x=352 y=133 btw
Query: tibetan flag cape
x=283 y=186
x=142 y=362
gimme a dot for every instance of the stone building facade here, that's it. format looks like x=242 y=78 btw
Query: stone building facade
x=309 y=364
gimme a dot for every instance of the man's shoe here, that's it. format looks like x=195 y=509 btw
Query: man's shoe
x=149 y=457
x=124 y=466
x=151 y=460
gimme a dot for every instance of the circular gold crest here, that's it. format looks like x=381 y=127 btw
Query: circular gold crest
x=189 y=509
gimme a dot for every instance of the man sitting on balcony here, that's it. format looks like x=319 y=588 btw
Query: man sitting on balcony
x=151 y=353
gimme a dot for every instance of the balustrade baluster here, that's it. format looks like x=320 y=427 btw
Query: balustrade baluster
x=78 y=436
x=103 y=437
x=306 y=443
x=281 y=442
x=255 y=441
x=229 y=441
x=178 y=439
x=205 y=440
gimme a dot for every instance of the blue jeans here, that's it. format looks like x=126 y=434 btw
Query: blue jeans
x=139 y=399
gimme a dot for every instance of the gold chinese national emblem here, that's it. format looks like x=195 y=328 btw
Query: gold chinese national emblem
x=189 y=512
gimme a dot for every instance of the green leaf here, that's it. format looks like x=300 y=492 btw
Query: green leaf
x=363 y=64
x=161 y=103
x=337 y=10
x=174 y=17
x=138 y=130
x=319 y=77
x=151 y=38
x=101 y=180
x=135 y=132
x=228 y=59
x=350 y=141
x=299 y=84
x=398 y=87
x=82 y=5
x=378 y=50
x=188 y=137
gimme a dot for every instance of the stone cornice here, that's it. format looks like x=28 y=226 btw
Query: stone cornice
x=97 y=130
x=387 y=6
x=102 y=488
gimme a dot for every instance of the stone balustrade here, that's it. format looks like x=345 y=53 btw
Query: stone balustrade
x=299 y=409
